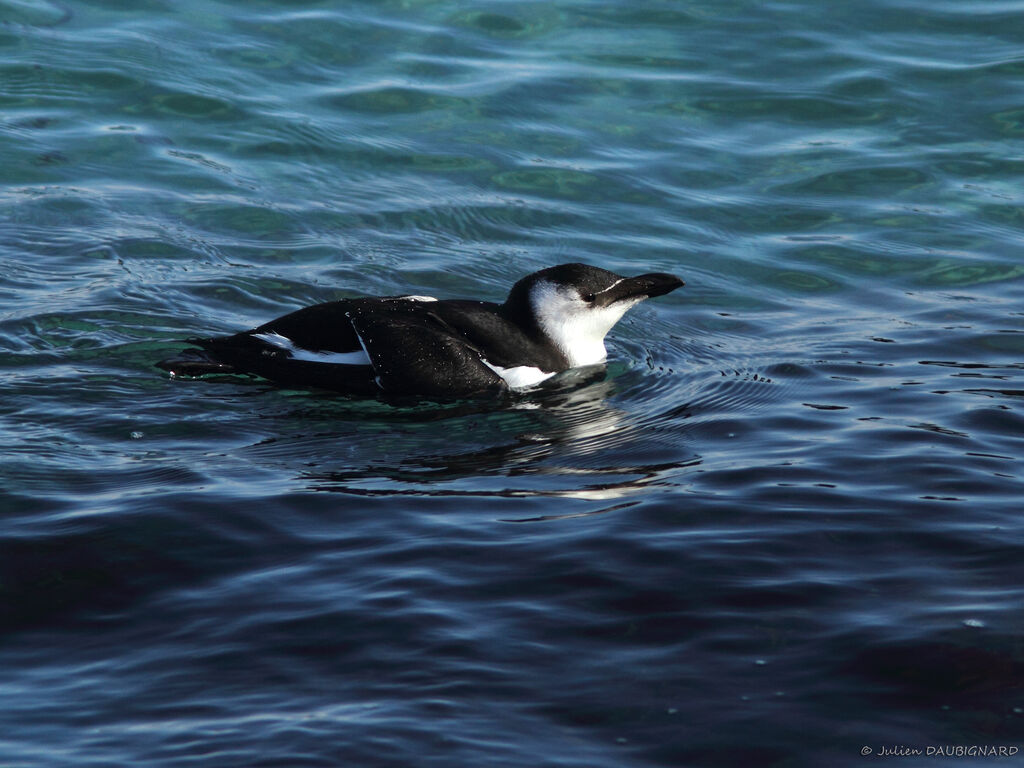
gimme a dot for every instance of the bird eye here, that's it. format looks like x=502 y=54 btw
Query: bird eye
x=589 y=298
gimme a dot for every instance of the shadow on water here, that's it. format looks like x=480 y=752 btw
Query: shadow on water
x=569 y=440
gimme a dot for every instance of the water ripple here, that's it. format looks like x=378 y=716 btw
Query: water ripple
x=786 y=511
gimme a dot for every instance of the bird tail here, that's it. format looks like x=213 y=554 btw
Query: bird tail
x=194 y=362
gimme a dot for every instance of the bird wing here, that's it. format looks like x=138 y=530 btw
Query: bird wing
x=411 y=350
x=414 y=352
x=320 y=327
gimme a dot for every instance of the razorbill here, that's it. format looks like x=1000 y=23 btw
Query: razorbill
x=552 y=320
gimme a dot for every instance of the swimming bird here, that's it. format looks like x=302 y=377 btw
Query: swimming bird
x=552 y=320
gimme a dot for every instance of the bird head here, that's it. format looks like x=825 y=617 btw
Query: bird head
x=575 y=305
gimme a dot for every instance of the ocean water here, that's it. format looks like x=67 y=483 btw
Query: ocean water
x=782 y=528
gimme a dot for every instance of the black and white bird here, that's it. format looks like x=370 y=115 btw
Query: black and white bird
x=552 y=320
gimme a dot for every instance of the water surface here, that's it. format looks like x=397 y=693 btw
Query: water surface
x=781 y=527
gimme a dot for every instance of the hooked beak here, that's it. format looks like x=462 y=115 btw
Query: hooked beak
x=640 y=287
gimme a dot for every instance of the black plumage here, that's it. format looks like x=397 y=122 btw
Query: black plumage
x=421 y=347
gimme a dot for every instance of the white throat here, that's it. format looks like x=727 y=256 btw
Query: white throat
x=576 y=327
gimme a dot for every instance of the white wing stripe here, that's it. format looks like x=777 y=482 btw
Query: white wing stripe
x=359 y=357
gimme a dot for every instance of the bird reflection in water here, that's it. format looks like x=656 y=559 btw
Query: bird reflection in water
x=564 y=442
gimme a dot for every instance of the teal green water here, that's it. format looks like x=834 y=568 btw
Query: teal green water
x=782 y=529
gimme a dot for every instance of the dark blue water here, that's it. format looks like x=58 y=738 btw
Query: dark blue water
x=783 y=528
